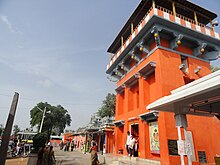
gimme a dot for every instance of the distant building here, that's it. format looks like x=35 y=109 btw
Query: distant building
x=99 y=129
x=163 y=45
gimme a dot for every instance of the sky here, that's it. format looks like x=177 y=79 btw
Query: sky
x=55 y=51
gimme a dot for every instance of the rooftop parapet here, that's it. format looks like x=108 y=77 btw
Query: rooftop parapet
x=169 y=15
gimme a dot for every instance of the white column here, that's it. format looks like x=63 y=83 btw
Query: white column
x=180 y=138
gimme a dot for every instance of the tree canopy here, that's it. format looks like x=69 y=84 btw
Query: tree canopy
x=108 y=106
x=56 y=117
x=16 y=129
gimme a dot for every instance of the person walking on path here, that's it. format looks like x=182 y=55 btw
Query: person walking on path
x=72 y=145
x=45 y=155
x=67 y=145
x=94 y=155
x=128 y=142
x=51 y=157
x=61 y=145
x=131 y=145
x=40 y=155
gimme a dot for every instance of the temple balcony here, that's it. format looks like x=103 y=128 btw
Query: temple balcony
x=158 y=24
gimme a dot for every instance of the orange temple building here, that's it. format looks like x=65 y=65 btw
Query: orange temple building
x=164 y=45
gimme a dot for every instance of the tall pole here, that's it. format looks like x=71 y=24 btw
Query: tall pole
x=8 y=128
x=42 y=120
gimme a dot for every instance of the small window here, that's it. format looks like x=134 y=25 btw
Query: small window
x=184 y=64
x=172 y=146
x=202 y=157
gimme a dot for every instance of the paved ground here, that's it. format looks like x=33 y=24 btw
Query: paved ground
x=78 y=158
x=16 y=161
x=71 y=158
x=63 y=158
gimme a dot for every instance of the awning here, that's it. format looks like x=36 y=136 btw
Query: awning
x=119 y=123
x=200 y=97
x=149 y=116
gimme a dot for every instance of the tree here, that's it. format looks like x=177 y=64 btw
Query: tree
x=108 y=106
x=38 y=141
x=57 y=119
x=16 y=129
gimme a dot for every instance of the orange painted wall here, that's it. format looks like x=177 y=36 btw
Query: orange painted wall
x=109 y=142
x=167 y=77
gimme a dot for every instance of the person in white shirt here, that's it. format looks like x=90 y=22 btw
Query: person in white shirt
x=128 y=142
x=131 y=145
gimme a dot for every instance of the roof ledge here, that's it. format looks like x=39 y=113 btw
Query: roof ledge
x=148 y=69
x=149 y=116
x=119 y=123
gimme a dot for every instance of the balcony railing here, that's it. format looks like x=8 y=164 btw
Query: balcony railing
x=182 y=17
x=147 y=14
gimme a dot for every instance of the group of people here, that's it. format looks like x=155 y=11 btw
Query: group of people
x=132 y=145
x=19 y=148
x=69 y=145
x=46 y=155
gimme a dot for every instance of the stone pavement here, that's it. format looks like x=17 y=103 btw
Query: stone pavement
x=78 y=158
x=71 y=158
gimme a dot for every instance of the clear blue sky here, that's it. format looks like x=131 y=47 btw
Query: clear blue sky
x=55 y=51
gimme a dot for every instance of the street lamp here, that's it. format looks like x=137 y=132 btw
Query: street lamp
x=42 y=120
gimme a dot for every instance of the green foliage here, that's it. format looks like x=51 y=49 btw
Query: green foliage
x=16 y=129
x=39 y=140
x=215 y=68
x=108 y=106
x=57 y=119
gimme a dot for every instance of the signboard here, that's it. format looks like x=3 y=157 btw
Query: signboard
x=184 y=147
x=188 y=148
x=181 y=148
x=154 y=138
x=190 y=139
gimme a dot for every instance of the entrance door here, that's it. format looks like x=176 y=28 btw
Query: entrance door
x=135 y=131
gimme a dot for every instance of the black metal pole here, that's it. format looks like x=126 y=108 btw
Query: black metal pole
x=8 y=128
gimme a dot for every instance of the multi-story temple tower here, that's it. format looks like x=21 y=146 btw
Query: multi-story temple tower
x=164 y=44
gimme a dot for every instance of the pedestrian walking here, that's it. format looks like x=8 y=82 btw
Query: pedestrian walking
x=131 y=145
x=67 y=145
x=72 y=145
x=136 y=147
x=51 y=157
x=94 y=154
x=128 y=142
x=40 y=155
x=45 y=155
x=61 y=145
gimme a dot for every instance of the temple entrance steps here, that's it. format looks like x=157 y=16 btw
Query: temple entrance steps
x=126 y=160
